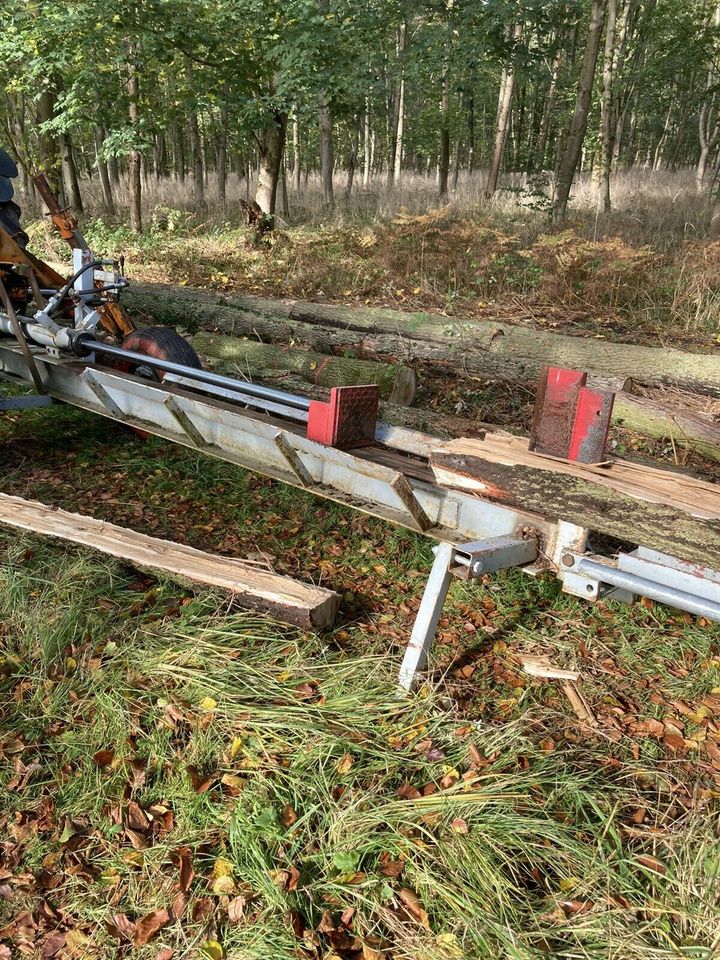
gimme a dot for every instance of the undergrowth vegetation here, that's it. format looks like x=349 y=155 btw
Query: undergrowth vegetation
x=649 y=268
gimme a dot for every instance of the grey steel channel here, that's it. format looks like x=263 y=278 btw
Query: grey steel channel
x=229 y=432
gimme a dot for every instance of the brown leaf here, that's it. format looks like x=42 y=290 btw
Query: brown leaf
x=138 y=840
x=236 y=909
x=389 y=867
x=149 y=926
x=124 y=926
x=407 y=792
x=52 y=945
x=165 y=954
x=460 y=826
x=294 y=877
x=203 y=909
x=201 y=783
x=576 y=906
x=136 y=818
x=182 y=858
x=326 y=924
x=289 y=815
x=650 y=863
x=414 y=907
x=103 y=758
x=649 y=728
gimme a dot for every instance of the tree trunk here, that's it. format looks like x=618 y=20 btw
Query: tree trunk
x=444 y=157
x=576 y=136
x=352 y=156
x=507 y=87
x=70 y=177
x=327 y=157
x=296 y=151
x=658 y=509
x=397 y=383
x=271 y=141
x=134 y=164
x=49 y=150
x=195 y=145
x=109 y=203
x=366 y=144
x=487 y=348
x=606 y=108
x=222 y=152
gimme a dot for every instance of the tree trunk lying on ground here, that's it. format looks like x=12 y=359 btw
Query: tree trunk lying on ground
x=397 y=383
x=483 y=347
x=666 y=511
x=685 y=428
x=260 y=589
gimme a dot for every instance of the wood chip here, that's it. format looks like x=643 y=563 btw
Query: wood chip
x=540 y=666
x=579 y=704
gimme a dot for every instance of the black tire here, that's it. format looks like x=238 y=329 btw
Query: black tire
x=160 y=342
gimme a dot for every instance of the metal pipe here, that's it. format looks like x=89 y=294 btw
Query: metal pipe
x=648 y=588
x=203 y=376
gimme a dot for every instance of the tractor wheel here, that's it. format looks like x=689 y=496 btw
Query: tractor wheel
x=162 y=343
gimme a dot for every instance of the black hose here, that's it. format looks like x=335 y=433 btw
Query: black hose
x=78 y=273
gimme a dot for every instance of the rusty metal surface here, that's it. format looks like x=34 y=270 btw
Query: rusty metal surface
x=554 y=416
x=591 y=425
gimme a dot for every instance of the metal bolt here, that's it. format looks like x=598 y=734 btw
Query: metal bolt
x=568 y=560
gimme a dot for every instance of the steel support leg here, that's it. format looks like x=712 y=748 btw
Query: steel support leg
x=428 y=615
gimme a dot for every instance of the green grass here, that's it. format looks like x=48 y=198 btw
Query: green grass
x=521 y=833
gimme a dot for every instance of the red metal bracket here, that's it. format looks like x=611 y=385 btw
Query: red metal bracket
x=347 y=420
x=571 y=420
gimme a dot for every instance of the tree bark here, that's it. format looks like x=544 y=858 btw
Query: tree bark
x=576 y=136
x=327 y=155
x=271 y=141
x=196 y=152
x=49 y=149
x=222 y=151
x=606 y=125
x=134 y=159
x=484 y=347
x=70 y=176
x=109 y=203
x=507 y=88
x=397 y=383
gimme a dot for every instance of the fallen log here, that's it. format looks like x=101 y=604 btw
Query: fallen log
x=304 y=605
x=664 y=510
x=683 y=427
x=397 y=383
x=483 y=347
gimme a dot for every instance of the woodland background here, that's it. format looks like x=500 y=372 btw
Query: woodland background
x=230 y=98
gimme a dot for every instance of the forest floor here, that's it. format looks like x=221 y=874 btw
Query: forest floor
x=184 y=780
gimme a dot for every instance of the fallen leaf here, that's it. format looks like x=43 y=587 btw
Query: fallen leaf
x=650 y=863
x=414 y=907
x=236 y=909
x=459 y=825
x=103 y=758
x=389 y=867
x=182 y=858
x=576 y=906
x=344 y=764
x=289 y=815
x=149 y=926
x=165 y=954
x=212 y=949
x=124 y=925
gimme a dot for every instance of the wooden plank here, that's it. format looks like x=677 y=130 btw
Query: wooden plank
x=667 y=511
x=251 y=585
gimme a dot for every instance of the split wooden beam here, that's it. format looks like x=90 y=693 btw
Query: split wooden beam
x=667 y=511
x=251 y=585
